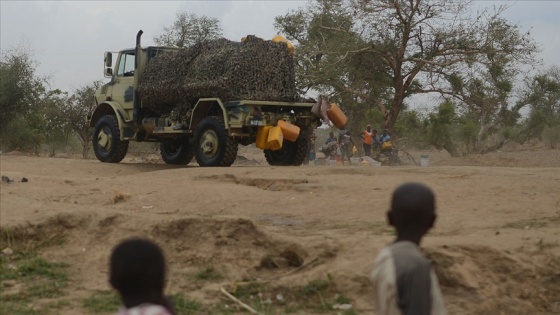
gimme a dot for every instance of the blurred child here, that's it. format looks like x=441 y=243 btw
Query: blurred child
x=137 y=272
x=403 y=279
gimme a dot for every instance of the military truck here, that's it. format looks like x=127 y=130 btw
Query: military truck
x=210 y=131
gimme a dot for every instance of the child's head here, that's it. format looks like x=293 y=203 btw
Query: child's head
x=137 y=269
x=412 y=209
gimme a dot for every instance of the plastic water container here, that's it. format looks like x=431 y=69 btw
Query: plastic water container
x=375 y=163
x=354 y=160
x=337 y=117
x=424 y=160
x=371 y=161
x=275 y=138
x=290 y=131
x=262 y=137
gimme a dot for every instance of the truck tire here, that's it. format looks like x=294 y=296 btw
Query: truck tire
x=291 y=154
x=212 y=145
x=176 y=151
x=106 y=141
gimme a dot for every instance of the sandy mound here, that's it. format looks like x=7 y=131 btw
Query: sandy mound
x=299 y=239
x=483 y=280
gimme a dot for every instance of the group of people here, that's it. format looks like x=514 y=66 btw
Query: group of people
x=372 y=141
x=403 y=279
x=343 y=147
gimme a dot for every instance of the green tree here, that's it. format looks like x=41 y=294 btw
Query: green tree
x=327 y=61
x=542 y=93
x=20 y=87
x=55 y=122
x=21 y=92
x=78 y=106
x=410 y=125
x=413 y=45
x=189 y=29
x=439 y=129
x=485 y=86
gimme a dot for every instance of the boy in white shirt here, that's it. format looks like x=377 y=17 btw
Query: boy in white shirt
x=403 y=279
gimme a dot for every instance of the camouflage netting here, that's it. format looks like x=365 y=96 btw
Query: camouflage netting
x=255 y=69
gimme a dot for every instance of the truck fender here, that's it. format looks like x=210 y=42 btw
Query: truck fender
x=110 y=108
x=208 y=107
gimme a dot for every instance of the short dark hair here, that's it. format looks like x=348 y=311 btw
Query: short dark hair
x=137 y=266
x=413 y=207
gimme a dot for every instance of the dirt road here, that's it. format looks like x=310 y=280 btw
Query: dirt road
x=496 y=245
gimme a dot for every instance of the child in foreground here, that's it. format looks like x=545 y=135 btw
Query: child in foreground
x=403 y=279
x=137 y=272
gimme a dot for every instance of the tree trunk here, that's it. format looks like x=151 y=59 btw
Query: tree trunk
x=85 y=140
x=483 y=127
x=450 y=148
x=85 y=150
x=495 y=147
x=393 y=113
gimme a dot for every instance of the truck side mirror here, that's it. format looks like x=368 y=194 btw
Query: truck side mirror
x=108 y=59
x=108 y=64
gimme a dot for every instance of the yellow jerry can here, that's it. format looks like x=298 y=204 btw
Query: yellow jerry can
x=275 y=138
x=262 y=137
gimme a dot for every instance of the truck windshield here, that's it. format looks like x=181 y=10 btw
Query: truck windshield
x=126 y=65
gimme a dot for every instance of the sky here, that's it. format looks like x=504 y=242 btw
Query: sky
x=68 y=38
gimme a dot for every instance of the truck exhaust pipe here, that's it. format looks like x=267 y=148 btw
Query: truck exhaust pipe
x=137 y=112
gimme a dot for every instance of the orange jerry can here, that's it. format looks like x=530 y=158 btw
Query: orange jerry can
x=290 y=131
x=336 y=115
x=275 y=138
x=262 y=137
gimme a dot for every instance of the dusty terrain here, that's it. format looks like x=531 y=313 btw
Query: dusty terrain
x=496 y=245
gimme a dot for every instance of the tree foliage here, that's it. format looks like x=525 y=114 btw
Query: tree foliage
x=31 y=115
x=391 y=49
x=542 y=94
x=20 y=87
x=327 y=60
x=439 y=130
x=485 y=86
x=54 y=122
x=189 y=29
x=21 y=91
x=80 y=105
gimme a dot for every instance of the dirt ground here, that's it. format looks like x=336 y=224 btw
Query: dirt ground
x=495 y=248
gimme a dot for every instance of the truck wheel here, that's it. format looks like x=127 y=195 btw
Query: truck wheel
x=292 y=153
x=107 y=144
x=212 y=145
x=176 y=151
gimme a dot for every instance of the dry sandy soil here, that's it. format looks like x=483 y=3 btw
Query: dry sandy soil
x=496 y=245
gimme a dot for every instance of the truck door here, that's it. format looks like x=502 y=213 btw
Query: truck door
x=123 y=89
